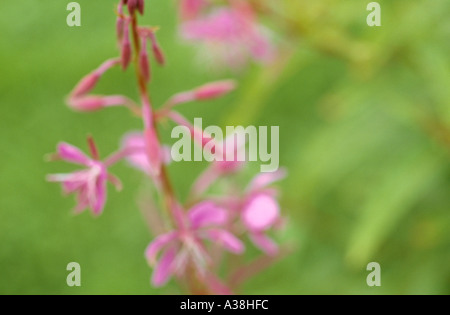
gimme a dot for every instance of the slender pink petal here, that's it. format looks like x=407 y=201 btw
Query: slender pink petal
x=135 y=142
x=95 y=102
x=264 y=243
x=206 y=213
x=205 y=180
x=158 y=244
x=261 y=212
x=100 y=194
x=164 y=270
x=214 y=90
x=262 y=180
x=226 y=239
x=72 y=154
x=153 y=150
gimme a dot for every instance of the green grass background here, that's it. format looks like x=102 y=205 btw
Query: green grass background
x=364 y=116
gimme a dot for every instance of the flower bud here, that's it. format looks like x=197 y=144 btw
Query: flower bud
x=90 y=81
x=144 y=64
x=95 y=102
x=157 y=52
x=126 y=47
x=214 y=90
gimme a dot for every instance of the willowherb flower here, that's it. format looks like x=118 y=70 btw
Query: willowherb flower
x=89 y=184
x=190 y=9
x=230 y=35
x=260 y=210
x=185 y=245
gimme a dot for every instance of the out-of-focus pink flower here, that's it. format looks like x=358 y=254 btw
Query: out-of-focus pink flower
x=232 y=35
x=205 y=92
x=261 y=211
x=185 y=245
x=232 y=153
x=134 y=148
x=190 y=9
x=88 y=184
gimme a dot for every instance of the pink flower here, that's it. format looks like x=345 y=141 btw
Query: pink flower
x=135 y=150
x=261 y=211
x=185 y=245
x=88 y=184
x=232 y=35
x=190 y=9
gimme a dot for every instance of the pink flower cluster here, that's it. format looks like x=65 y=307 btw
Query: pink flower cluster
x=204 y=225
x=229 y=34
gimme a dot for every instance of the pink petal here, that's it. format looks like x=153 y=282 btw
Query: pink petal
x=191 y=8
x=135 y=142
x=164 y=269
x=158 y=244
x=264 y=243
x=72 y=154
x=214 y=90
x=261 y=212
x=262 y=180
x=226 y=239
x=100 y=196
x=153 y=151
x=206 y=213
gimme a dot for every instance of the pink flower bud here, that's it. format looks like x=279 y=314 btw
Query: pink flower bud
x=132 y=5
x=120 y=21
x=140 y=6
x=88 y=82
x=144 y=65
x=190 y=9
x=126 y=47
x=93 y=103
x=157 y=52
x=214 y=90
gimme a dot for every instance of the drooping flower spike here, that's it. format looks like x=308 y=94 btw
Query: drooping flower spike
x=88 y=184
x=200 y=232
x=185 y=245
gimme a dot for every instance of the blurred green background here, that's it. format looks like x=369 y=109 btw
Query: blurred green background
x=364 y=116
